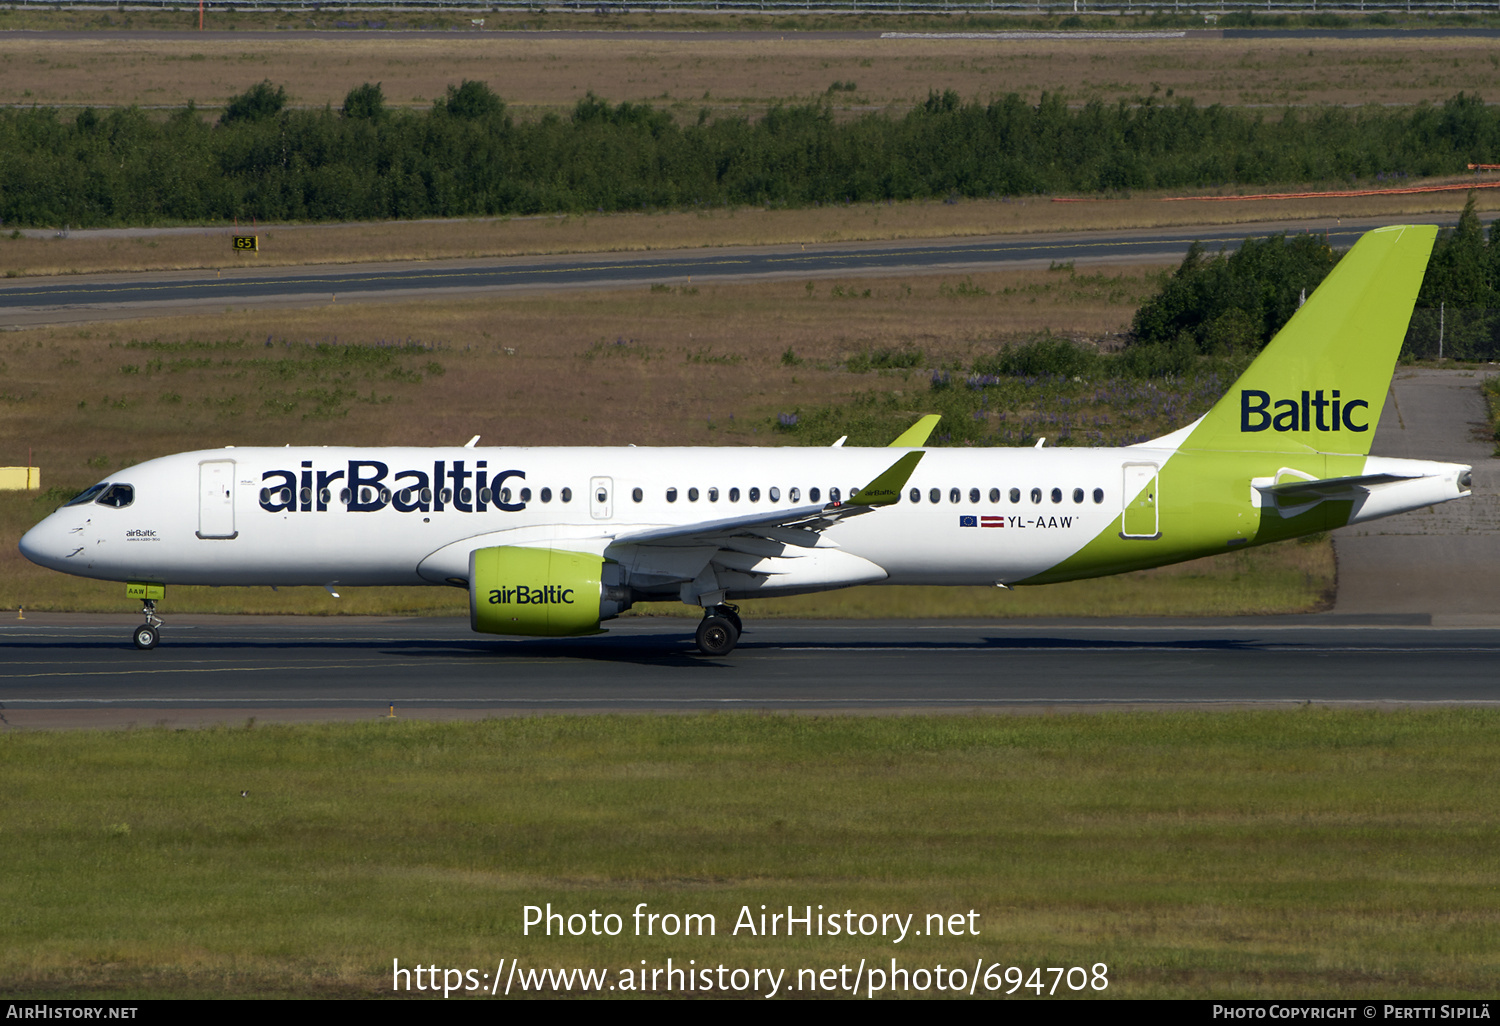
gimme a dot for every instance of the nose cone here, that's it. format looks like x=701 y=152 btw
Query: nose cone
x=46 y=544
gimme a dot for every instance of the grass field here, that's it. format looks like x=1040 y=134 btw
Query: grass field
x=539 y=74
x=1301 y=853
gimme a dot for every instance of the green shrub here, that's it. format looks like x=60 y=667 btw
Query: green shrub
x=1235 y=302
x=257 y=103
x=1039 y=357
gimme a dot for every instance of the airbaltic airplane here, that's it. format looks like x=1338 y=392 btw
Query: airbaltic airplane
x=554 y=541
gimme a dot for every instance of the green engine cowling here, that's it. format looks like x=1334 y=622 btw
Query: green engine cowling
x=541 y=592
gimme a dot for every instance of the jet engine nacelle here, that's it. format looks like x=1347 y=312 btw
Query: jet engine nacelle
x=542 y=592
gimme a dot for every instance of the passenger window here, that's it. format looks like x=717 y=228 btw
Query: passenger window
x=774 y=494
x=385 y=495
x=954 y=495
x=994 y=495
x=713 y=495
x=546 y=495
x=734 y=495
x=426 y=494
x=87 y=495
x=444 y=496
x=793 y=495
x=1057 y=495
x=812 y=495
x=566 y=495
x=1036 y=495
x=671 y=494
x=344 y=495
x=602 y=496
x=485 y=495
x=636 y=494
x=525 y=494
x=1077 y=494
x=755 y=495
x=973 y=494
x=833 y=495
x=1015 y=495
x=1098 y=495
x=504 y=495
x=915 y=495
x=692 y=495
x=307 y=497
x=935 y=496
x=325 y=496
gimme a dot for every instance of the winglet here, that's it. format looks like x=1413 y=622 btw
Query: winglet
x=886 y=489
x=916 y=436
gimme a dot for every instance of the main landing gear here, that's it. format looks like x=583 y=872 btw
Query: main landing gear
x=148 y=633
x=719 y=630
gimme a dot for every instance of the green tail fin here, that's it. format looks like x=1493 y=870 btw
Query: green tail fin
x=1321 y=383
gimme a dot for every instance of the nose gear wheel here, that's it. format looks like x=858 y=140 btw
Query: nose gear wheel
x=148 y=634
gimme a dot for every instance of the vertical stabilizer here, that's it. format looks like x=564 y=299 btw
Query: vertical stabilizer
x=1320 y=384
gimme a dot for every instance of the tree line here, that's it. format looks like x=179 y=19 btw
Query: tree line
x=1234 y=303
x=467 y=155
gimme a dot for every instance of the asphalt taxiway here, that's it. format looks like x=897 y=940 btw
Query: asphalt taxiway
x=84 y=297
x=82 y=671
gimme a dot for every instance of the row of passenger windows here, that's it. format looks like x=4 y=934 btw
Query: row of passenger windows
x=407 y=496
x=956 y=495
x=934 y=495
x=753 y=494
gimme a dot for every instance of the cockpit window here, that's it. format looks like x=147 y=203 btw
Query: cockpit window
x=117 y=495
x=86 y=496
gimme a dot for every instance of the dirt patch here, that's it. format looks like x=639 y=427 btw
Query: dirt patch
x=546 y=73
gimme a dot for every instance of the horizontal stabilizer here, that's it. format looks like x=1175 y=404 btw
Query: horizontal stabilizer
x=1331 y=487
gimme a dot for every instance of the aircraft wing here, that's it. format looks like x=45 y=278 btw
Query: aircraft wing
x=807 y=518
x=884 y=490
x=733 y=553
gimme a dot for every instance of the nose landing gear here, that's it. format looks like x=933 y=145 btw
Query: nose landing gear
x=720 y=630
x=148 y=633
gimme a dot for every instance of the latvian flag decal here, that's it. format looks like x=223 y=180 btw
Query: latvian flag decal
x=981 y=521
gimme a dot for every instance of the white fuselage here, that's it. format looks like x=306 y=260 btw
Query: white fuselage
x=334 y=515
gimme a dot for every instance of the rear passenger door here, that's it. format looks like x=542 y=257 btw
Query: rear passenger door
x=1141 y=517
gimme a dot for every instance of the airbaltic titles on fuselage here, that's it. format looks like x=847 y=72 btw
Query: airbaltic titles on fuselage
x=369 y=486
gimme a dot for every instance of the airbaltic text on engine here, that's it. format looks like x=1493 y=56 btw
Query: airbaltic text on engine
x=1291 y=416
x=523 y=596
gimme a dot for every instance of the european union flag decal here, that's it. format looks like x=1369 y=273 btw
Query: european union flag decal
x=968 y=521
